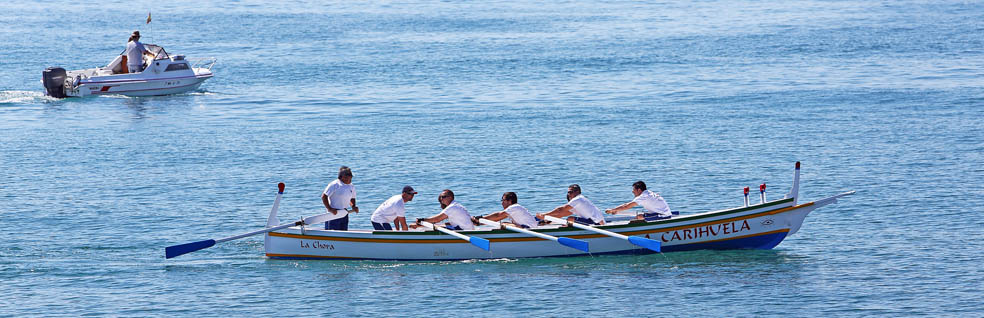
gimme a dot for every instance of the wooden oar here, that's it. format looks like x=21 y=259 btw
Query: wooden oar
x=640 y=241
x=322 y=218
x=569 y=242
x=178 y=250
x=477 y=241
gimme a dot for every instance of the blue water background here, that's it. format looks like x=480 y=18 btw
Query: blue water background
x=698 y=99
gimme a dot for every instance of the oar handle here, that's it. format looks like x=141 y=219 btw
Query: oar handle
x=477 y=241
x=517 y=229
x=569 y=242
x=639 y=241
x=586 y=227
x=445 y=230
x=269 y=229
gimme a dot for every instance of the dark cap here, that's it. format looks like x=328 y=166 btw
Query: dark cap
x=135 y=33
x=409 y=189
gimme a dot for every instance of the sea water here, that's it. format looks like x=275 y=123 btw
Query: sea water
x=697 y=99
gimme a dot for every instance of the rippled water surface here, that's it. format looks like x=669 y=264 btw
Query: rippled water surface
x=697 y=99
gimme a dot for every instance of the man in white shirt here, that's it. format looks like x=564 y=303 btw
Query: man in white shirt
x=456 y=214
x=583 y=210
x=656 y=208
x=339 y=195
x=393 y=210
x=516 y=213
x=134 y=53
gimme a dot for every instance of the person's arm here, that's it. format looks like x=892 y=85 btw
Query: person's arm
x=401 y=222
x=434 y=219
x=559 y=212
x=496 y=216
x=354 y=208
x=324 y=199
x=623 y=207
x=146 y=52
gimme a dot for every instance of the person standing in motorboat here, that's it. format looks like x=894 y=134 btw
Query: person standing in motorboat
x=655 y=206
x=583 y=210
x=337 y=197
x=516 y=213
x=393 y=210
x=134 y=53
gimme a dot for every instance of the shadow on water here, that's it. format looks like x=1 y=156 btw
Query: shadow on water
x=137 y=105
x=329 y=269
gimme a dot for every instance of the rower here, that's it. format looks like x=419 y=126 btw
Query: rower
x=656 y=208
x=516 y=213
x=337 y=197
x=583 y=210
x=393 y=210
x=456 y=214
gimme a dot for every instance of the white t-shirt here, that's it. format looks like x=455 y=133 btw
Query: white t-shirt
x=520 y=215
x=653 y=203
x=585 y=209
x=134 y=53
x=389 y=210
x=458 y=216
x=340 y=196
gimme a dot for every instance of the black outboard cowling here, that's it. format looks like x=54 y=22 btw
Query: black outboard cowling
x=53 y=79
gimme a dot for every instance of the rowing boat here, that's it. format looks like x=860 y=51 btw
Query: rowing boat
x=759 y=226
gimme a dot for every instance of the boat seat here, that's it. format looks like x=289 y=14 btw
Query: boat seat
x=123 y=68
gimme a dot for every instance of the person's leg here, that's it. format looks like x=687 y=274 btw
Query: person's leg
x=339 y=224
x=381 y=226
x=343 y=223
x=654 y=217
x=585 y=221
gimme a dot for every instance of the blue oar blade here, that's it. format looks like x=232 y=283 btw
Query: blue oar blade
x=177 y=250
x=572 y=243
x=480 y=242
x=647 y=243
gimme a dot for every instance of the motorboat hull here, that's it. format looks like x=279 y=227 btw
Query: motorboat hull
x=140 y=87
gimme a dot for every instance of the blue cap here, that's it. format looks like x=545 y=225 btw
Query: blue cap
x=409 y=189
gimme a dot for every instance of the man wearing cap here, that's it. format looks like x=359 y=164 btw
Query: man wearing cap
x=656 y=207
x=456 y=214
x=338 y=196
x=134 y=53
x=393 y=210
x=583 y=210
x=516 y=213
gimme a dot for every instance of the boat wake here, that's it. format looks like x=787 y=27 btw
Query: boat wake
x=22 y=97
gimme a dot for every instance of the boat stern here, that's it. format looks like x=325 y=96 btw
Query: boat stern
x=55 y=81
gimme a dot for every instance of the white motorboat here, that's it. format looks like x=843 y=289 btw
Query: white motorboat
x=163 y=74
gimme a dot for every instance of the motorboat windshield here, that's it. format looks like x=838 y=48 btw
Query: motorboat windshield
x=159 y=53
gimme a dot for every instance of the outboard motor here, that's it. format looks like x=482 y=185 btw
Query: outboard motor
x=53 y=79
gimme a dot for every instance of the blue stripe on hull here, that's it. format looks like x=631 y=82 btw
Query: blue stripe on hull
x=761 y=242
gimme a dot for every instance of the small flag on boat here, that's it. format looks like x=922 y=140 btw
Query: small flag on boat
x=148 y=17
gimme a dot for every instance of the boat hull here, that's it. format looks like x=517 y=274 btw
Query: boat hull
x=761 y=226
x=148 y=87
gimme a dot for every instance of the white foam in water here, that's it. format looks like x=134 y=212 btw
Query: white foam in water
x=16 y=97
